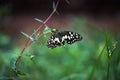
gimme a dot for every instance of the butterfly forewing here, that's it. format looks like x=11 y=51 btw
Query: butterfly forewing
x=59 y=38
x=73 y=37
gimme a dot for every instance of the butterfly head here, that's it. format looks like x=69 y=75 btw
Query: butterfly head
x=53 y=31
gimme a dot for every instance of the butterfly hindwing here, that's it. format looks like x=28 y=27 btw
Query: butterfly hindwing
x=73 y=37
x=59 y=38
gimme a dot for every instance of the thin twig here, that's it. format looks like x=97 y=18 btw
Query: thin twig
x=28 y=42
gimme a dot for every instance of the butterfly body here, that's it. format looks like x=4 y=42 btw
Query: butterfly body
x=59 y=38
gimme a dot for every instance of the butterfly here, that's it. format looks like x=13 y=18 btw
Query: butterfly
x=59 y=38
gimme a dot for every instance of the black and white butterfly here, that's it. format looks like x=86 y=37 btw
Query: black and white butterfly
x=59 y=38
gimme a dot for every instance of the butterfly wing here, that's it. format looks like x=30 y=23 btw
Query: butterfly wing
x=72 y=37
x=55 y=40
x=59 y=38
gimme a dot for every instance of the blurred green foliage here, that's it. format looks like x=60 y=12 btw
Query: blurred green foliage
x=96 y=57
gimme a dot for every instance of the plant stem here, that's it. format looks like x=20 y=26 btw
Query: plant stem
x=28 y=42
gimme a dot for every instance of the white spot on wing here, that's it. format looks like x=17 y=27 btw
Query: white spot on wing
x=64 y=37
x=77 y=36
x=56 y=39
x=70 y=33
x=68 y=37
x=52 y=37
x=48 y=42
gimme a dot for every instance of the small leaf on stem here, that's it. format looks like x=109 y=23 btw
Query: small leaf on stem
x=54 y=6
x=47 y=30
x=31 y=38
x=39 y=20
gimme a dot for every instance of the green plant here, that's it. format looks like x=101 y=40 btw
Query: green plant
x=96 y=57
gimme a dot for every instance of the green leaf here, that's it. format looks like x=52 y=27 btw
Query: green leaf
x=21 y=73
x=47 y=30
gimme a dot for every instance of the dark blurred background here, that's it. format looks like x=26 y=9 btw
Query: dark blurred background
x=18 y=14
